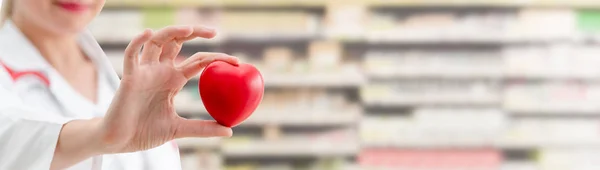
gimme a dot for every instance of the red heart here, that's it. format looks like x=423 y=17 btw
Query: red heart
x=231 y=93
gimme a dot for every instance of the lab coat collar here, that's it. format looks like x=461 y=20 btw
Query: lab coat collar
x=17 y=52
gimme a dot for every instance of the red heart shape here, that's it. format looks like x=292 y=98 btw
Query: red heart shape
x=231 y=93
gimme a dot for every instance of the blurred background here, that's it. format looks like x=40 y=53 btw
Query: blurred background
x=393 y=84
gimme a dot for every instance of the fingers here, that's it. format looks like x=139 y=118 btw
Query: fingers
x=172 y=48
x=132 y=51
x=193 y=65
x=153 y=48
x=201 y=128
x=199 y=31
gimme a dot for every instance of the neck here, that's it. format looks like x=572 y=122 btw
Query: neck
x=58 y=49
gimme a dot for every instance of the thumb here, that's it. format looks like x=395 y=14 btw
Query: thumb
x=201 y=128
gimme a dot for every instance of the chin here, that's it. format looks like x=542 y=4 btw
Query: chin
x=68 y=28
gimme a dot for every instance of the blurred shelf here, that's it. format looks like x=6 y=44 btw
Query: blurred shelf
x=427 y=145
x=290 y=149
x=508 y=144
x=213 y=3
x=546 y=77
x=428 y=39
x=577 y=98
x=373 y=3
x=198 y=143
x=191 y=109
x=294 y=117
x=519 y=165
x=487 y=3
x=440 y=73
x=549 y=112
x=328 y=79
x=432 y=101
x=431 y=92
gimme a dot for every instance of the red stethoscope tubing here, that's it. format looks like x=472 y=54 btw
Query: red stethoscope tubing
x=15 y=75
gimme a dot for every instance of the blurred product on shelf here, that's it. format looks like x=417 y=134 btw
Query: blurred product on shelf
x=436 y=128
x=588 y=21
x=559 y=61
x=201 y=161
x=337 y=23
x=268 y=24
x=416 y=63
x=533 y=23
x=580 y=159
x=279 y=59
x=320 y=164
x=325 y=55
x=128 y=22
x=437 y=26
x=431 y=92
x=553 y=98
x=188 y=102
x=449 y=159
x=519 y=165
x=553 y=133
x=305 y=107
x=230 y=24
x=337 y=142
x=199 y=143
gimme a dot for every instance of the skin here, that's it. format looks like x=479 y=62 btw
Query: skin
x=142 y=115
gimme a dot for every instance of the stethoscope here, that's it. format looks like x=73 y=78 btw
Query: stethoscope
x=15 y=75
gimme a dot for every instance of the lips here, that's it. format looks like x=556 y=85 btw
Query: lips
x=72 y=7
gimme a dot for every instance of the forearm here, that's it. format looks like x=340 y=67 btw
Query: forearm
x=78 y=141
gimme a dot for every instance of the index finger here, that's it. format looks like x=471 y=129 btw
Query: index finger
x=153 y=47
x=194 y=64
x=199 y=31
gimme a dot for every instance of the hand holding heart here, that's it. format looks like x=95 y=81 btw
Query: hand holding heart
x=142 y=115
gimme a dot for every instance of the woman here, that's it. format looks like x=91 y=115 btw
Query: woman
x=63 y=107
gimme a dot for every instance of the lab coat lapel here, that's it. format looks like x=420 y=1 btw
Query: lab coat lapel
x=18 y=52
x=94 y=51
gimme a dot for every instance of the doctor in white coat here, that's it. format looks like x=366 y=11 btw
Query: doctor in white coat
x=63 y=107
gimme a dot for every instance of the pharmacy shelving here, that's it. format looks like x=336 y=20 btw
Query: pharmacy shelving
x=215 y=3
x=345 y=116
x=401 y=82
x=374 y=3
x=424 y=93
x=291 y=148
x=199 y=143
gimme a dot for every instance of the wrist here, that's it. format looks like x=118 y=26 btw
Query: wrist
x=78 y=140
x=97 y=142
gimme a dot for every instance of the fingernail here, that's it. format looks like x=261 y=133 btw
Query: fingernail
x=147 y=31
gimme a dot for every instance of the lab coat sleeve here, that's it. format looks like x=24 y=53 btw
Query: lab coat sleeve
x=27 y=139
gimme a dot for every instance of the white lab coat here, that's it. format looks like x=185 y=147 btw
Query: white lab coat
x=32 y=113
